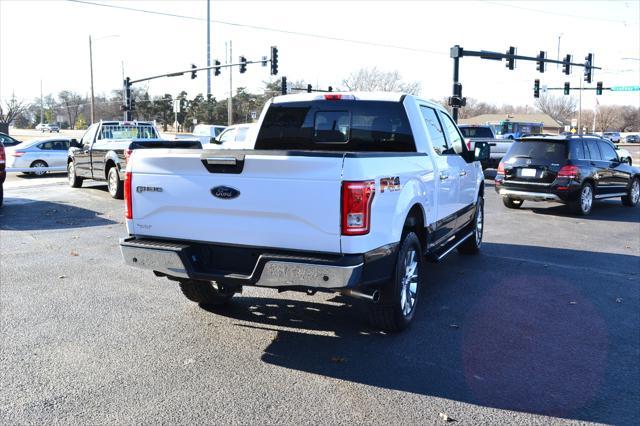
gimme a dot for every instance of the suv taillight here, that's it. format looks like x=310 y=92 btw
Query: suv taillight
x=356 y=206
x=570 y=172
x=3 y=157
x=501 y=168
x=128 y=202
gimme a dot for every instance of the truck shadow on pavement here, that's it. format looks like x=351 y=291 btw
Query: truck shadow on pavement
x=31 y=215
x=549 y=339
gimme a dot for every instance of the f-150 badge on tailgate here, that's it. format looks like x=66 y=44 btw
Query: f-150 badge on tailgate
x=225 y=192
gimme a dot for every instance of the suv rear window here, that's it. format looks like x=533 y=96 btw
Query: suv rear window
x=545 y=150
x=477 y=132
x=344 y=125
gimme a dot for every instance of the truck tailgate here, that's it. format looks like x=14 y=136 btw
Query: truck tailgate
x=244 y=198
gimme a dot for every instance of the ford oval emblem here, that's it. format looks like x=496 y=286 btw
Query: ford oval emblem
x=225 y=192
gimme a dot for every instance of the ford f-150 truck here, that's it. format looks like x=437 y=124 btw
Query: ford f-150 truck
x=104 y=149
x=344 y=192
x=479 y=133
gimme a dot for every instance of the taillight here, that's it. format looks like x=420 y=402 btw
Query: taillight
x=570 y=172
x=356 y=206
x=468 y=141
x=128 y=205
x=3 y=157
x=17 y=153
x=332 y=97
x=127 y=154
x=501 y=168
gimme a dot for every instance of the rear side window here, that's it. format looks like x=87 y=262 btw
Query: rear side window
x=547 y=151
x=477 y=132
x=336 y=125
x=576 y=150
x=591 y=146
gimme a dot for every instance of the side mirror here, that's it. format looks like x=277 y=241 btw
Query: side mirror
x=625 y=160
x=74 y=143
x=482 y=151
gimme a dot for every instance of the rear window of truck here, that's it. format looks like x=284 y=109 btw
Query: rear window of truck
x=340 y=125
x=477 y=132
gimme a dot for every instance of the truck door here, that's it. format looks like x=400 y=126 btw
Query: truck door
x=82 y=156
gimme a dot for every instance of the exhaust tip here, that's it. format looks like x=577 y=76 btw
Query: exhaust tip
x=375 y=297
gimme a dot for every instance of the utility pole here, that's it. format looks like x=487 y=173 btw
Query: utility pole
x=208 y=48
x=230 y=99
x=93 y=117
x=580 y=109
x=41 y=104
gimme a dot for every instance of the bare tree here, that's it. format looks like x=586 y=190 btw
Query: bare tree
x=560 y=108
x=629 y=119
x=373 y=79
x=71 y=102
x=13 y=108
x=607 y=118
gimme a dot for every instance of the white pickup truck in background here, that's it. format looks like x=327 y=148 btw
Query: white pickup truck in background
x=344 y=192
x=474 y=133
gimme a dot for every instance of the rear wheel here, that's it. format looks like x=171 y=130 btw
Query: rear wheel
x=633 y=194
x=206 y=292
x=511 y=203
x=39 y=164
x=584 y=204
x=73 y=179
x=114 y=184
x=399 y=297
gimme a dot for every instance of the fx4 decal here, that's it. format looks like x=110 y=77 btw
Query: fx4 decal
x=390 y=184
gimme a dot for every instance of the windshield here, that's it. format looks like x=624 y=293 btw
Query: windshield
x=121 y=131
x=337 y=125
x=477 y=132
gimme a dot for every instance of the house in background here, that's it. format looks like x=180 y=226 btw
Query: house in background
x=549 y=125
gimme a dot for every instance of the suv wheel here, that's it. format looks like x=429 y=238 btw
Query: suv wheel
x=114 y=184
x=585 y=200
x=511 y=203
x=73 y=179
x=633 y=195
x=399 y=297
x=206 y=292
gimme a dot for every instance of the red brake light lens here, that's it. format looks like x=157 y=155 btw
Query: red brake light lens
x=127 y=154
x=332 y=97
x=570 y=172
x=128 y=202
x=3 y=157
x=356 y=206
x=501 y=168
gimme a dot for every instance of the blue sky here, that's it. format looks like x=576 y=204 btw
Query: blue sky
x=48 y=40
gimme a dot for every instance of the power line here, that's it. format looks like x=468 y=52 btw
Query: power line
x=261 y=28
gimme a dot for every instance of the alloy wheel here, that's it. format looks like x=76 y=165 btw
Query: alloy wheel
x=586 y=198
x=409 y=283
x=635 y=191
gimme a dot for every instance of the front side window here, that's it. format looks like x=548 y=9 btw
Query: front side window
x=453 y=135
x=88 y=136
x=227 y=136
x=607 y=151
x=241 y=134
x=434 y=128
x=46 y=146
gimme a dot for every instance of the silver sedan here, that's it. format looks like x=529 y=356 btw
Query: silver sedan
x=39 y=156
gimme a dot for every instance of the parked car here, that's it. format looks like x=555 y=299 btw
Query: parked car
x=624 y=155
x=8 y=141
x=39 y=156
x=575 y=170
x=206 y=133
x=344 y=192
x=105 y=148
x=478 y=133
x=632 y=139
x=48 y=128
x=3 y=173
x=612 y=136
x=238 y=136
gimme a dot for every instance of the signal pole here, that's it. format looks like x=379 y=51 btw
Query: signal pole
x=208 y=47
x=230 y=99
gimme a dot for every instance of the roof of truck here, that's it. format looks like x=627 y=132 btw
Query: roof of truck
x=365 y=96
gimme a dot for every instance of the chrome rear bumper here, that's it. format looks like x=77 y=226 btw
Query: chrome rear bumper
x=529 y=196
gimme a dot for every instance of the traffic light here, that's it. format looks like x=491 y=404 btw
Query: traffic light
x=536 y=88
x=243 y=64
x=133 y=105
x=540 y=63
x=283 y=85
x=309 y=88
x=193 y=73
x=599 y=88
x=588 y=70
x=274 y=60
x=511 y=62
x=566 y=65
x=567 y=88
x=216 y=70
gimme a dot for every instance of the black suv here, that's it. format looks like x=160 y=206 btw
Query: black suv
x=571 y=169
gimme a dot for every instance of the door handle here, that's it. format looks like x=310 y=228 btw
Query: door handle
x=444 y=176
x=593 y=163
x=462 y=173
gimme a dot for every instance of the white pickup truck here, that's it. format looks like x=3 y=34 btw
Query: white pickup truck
x=344 y=192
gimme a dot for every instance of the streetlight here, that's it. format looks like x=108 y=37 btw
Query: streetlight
x=93 y=118
x=559 y=37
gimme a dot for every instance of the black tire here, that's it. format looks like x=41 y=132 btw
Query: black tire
x=584 y=204
x=72 y=178
x=205 y=292
x=114 y=184
x=511 y=203
x=393 y=312
x=633 y=194
x=1 y=194
x=472 y=244
x=36 y=164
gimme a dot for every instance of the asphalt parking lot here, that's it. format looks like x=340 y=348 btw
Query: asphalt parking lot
x=545 y=322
